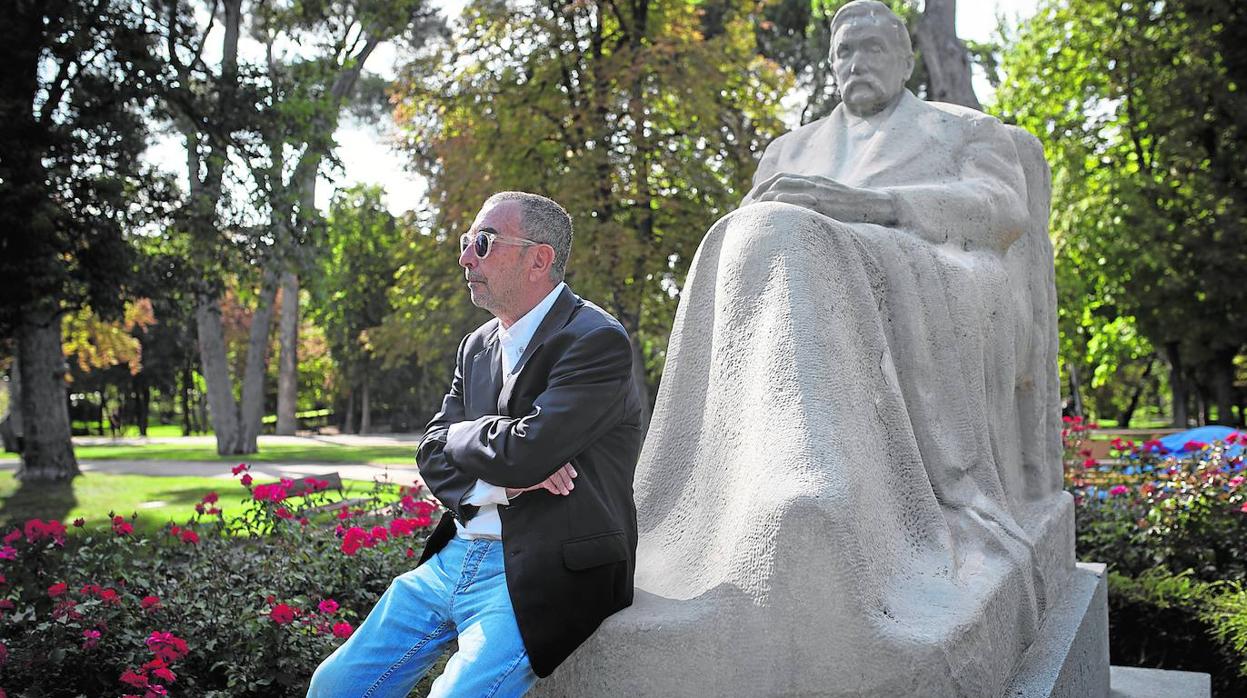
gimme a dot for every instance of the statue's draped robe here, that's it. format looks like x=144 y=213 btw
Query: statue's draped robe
x=855 y=436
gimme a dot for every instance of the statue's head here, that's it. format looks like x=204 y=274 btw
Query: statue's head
x=871 y=56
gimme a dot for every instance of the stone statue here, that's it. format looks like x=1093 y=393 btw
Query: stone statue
x=851 y=484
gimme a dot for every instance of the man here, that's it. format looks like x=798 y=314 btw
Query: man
x=532 y=455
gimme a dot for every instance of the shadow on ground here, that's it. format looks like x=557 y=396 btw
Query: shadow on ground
x=45 y=500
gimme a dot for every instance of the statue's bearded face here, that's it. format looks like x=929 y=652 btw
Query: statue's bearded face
x=870 y=64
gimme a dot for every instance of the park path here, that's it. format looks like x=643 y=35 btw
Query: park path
x=403 y=474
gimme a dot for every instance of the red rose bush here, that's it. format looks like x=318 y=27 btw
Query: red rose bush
x=212 y=606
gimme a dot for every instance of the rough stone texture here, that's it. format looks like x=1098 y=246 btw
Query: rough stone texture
x=1069 y=659
x=1134 y=682
x=851 y=483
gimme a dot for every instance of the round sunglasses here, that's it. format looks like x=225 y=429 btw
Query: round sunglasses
x=486 y=238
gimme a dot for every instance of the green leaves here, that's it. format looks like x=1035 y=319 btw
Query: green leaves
x=644 y=120
x=1149 y=212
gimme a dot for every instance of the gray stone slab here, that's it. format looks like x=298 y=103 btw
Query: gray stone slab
x=1070 y=656
x=1137 y=682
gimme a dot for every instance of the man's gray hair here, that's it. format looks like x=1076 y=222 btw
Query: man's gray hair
x=872 y=9
x=544 y=220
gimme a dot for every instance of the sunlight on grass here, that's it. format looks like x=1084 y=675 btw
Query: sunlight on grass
x=92 y=496
x=271 y=453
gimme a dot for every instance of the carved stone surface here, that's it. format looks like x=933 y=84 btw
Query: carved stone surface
x=851 y=484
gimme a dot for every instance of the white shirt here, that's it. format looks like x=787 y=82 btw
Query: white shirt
x=513 y=340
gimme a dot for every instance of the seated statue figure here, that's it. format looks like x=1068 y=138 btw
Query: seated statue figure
x=851 y=484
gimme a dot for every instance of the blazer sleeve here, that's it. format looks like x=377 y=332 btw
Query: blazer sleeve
x=585 y=396
x=450 y=485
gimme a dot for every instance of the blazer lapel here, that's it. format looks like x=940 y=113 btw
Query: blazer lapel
x=486 y=375
x=555 y=320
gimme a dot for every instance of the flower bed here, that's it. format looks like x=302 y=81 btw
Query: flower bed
x=1171 y=527
x=244 y=606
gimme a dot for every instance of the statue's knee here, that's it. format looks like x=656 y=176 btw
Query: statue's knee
x=767 y=228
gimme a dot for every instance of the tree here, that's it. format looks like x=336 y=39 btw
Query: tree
x=350 y=292
x=77 y=78
x=1140 y=108
x=307 y=97
x=644 y=119
x=279 y=116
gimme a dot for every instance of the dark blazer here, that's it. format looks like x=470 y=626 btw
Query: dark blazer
x=569 y=559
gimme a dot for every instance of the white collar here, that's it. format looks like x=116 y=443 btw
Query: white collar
x=515 y=338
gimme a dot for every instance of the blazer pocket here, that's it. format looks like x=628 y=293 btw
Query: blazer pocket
x=596 y=550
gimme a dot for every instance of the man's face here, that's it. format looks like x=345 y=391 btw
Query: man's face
x=870 y=64
x=496 y=282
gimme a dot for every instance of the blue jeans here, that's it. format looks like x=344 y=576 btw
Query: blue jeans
x=461 y=591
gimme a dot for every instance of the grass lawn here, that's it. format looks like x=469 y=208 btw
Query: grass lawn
x=274 y=453
x=132 y=432
x=92 y=495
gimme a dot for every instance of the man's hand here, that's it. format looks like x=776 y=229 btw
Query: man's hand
x=828 y=197
x=558 y=483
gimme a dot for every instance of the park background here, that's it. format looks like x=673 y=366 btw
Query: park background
x=231 y=218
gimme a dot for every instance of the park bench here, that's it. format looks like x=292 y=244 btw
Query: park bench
x=304 y=485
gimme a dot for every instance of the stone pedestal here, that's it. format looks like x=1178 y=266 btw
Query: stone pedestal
x=723 y=644
x=1070 y=656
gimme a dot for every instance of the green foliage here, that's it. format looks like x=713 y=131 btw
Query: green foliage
x=1136 y=103
x=353 y=292
x=1170 y=529
x=643 y=119
x=246 y=595
x=78 y=77
x=1174 y=621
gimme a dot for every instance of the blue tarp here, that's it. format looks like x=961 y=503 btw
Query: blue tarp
x=1176 y=442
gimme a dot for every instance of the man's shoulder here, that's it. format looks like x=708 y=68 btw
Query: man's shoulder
x=482 y=334
x=589 y=317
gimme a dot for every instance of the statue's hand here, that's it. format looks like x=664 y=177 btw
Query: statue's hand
x=828 y=197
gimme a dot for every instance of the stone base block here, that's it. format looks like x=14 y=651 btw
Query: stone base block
x=1070 y=656
x=1135 y=682
x=948 y=641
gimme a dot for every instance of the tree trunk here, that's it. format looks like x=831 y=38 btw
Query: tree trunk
x=1123 y=420
x=47 y=446
x=13 y=423
x=288 y=365
x=642 y=385
x=1177 y=385
x=945 y=56
x=257 y=359
x=348 y=426
x=222 y=408
x=1222 y=369
x=365 y=407
x=99 y=428
x=186 y=400
x=1075 y=390
x=142 y=405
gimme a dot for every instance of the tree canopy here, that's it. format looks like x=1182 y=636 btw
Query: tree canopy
x=1140 y=106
